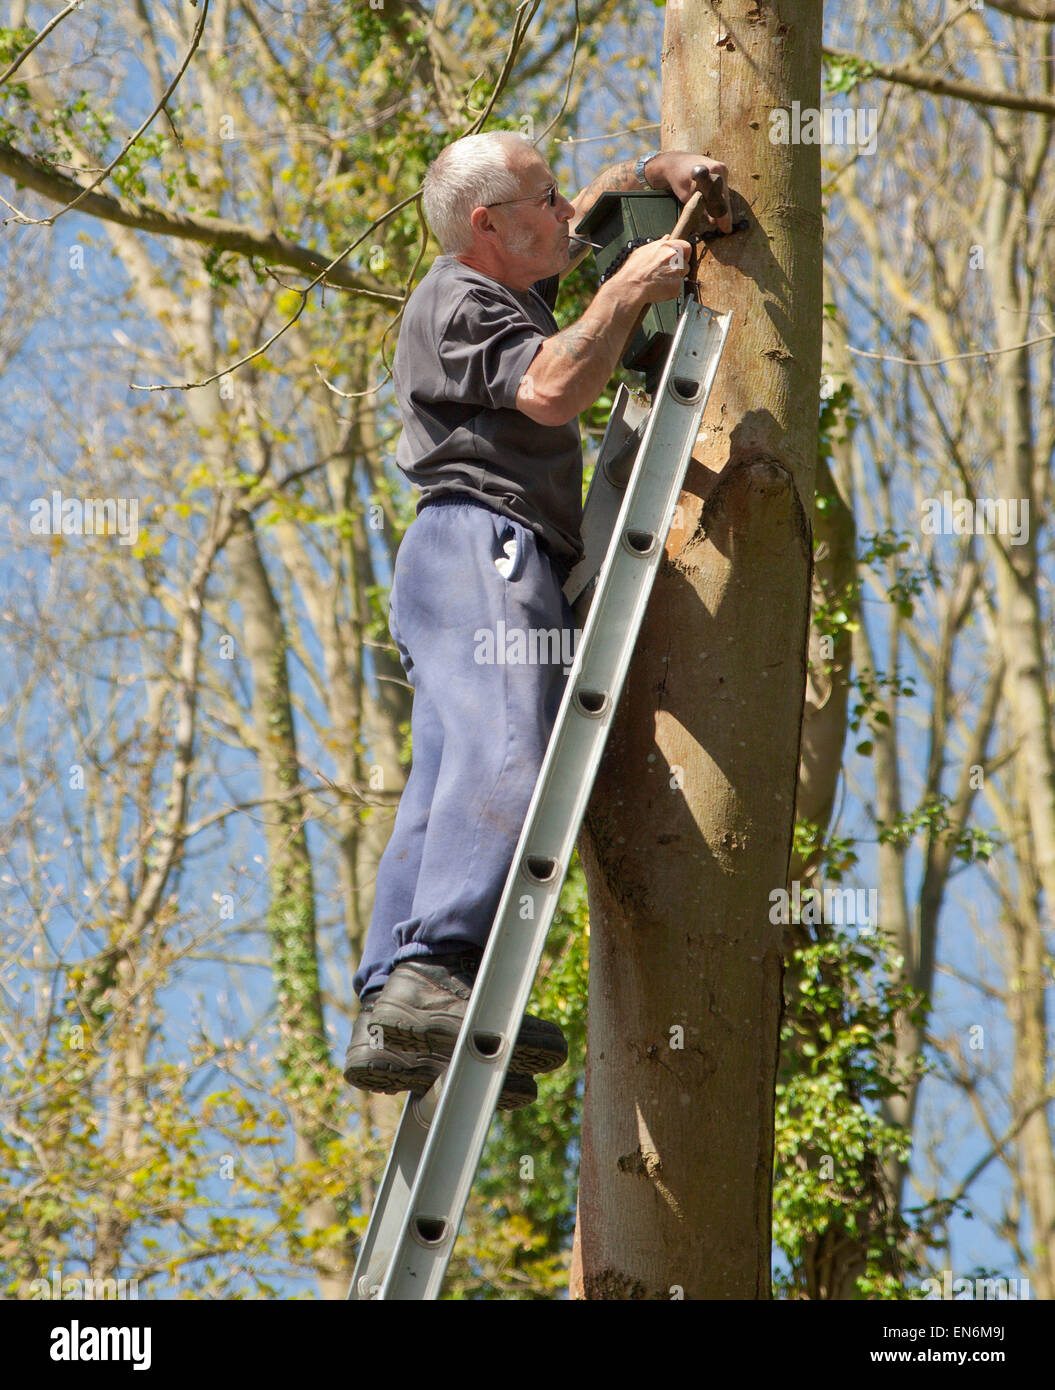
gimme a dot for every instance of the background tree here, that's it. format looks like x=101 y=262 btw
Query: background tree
x=206 y=730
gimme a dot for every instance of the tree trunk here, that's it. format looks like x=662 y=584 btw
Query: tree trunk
x=303 y=1054
x=689 y=828
x=1021 y=627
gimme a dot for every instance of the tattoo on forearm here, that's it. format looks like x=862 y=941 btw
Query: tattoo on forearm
x=574 y=342
x=619 y=178
x=622 y=179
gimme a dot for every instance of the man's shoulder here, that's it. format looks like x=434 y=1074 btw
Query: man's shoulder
x=450 y=279
x=461 y=303
x=447 y=288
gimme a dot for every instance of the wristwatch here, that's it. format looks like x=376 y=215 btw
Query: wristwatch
x=639 y=168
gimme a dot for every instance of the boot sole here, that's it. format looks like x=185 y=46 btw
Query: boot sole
x=406 y=1030
x=394 y=1077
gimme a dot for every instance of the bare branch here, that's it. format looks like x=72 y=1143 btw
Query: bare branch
x=52 y=24
x=571 y=74
x=907 y=75
x=90 y=188
x=955 y=357
x=217 y=232
x=520 y=28
x=615 y=135
x=1040 y=10
x=304 y=293
x=350 y=395
x=1038 y=1103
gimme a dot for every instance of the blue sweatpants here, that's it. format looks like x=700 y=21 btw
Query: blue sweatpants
x=473 y=596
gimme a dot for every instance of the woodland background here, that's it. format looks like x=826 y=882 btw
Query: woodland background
x=205 y=733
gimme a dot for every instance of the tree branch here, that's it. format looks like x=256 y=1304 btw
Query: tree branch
x=908 y=75
x=304 y=293
x=216 y=232
x=521 y=24
x=1039 y=1103
x=104 y=174
x=38 y=38
x=1042 y=10
x=954 y=357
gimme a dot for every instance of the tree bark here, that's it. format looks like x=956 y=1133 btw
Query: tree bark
x=1020 y=631
x=690 y=825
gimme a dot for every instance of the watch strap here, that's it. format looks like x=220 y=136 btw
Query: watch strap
x=639 y=167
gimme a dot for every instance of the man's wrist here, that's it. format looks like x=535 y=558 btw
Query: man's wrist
x=612 y=298
x=648 y=170
x=645 y=168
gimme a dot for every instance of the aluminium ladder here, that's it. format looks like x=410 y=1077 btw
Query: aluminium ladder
x=418 y=1210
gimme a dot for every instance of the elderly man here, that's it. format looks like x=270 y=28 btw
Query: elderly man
x=489 y=391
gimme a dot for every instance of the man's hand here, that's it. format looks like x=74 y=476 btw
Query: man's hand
x=571 y=368
x=685 y=174
x=655 y=272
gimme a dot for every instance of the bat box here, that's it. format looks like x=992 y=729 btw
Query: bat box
x=615 y=219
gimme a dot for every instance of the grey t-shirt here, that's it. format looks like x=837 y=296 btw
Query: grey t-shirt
x=464 y=346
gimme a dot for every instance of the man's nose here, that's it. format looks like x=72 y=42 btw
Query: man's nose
x=567 y=209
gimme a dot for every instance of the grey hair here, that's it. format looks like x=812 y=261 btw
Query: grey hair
x=469 y=173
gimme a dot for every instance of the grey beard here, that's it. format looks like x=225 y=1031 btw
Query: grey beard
x=518 y=241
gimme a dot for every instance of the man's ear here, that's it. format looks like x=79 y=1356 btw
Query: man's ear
x=481 y=223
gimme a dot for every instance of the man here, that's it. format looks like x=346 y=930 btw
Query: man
x=489 y=391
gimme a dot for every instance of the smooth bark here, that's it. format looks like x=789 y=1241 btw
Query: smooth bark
x=690 y=824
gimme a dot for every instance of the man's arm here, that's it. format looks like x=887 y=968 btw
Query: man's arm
x=674 y=171
x=571 y=368
x=618 y=178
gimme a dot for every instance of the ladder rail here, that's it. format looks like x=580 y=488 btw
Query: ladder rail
x=605 y=497
x=414 y=1259
x=394 y=1193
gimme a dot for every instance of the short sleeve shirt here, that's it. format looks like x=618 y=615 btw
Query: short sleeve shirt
x=464 y=346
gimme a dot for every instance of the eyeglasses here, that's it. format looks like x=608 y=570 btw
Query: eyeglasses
x=550 y=196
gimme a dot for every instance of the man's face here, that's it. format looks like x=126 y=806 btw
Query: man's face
x=533 y=235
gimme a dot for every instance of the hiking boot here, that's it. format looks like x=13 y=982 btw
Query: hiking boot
x=423 y=1003
x=390 y=1070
